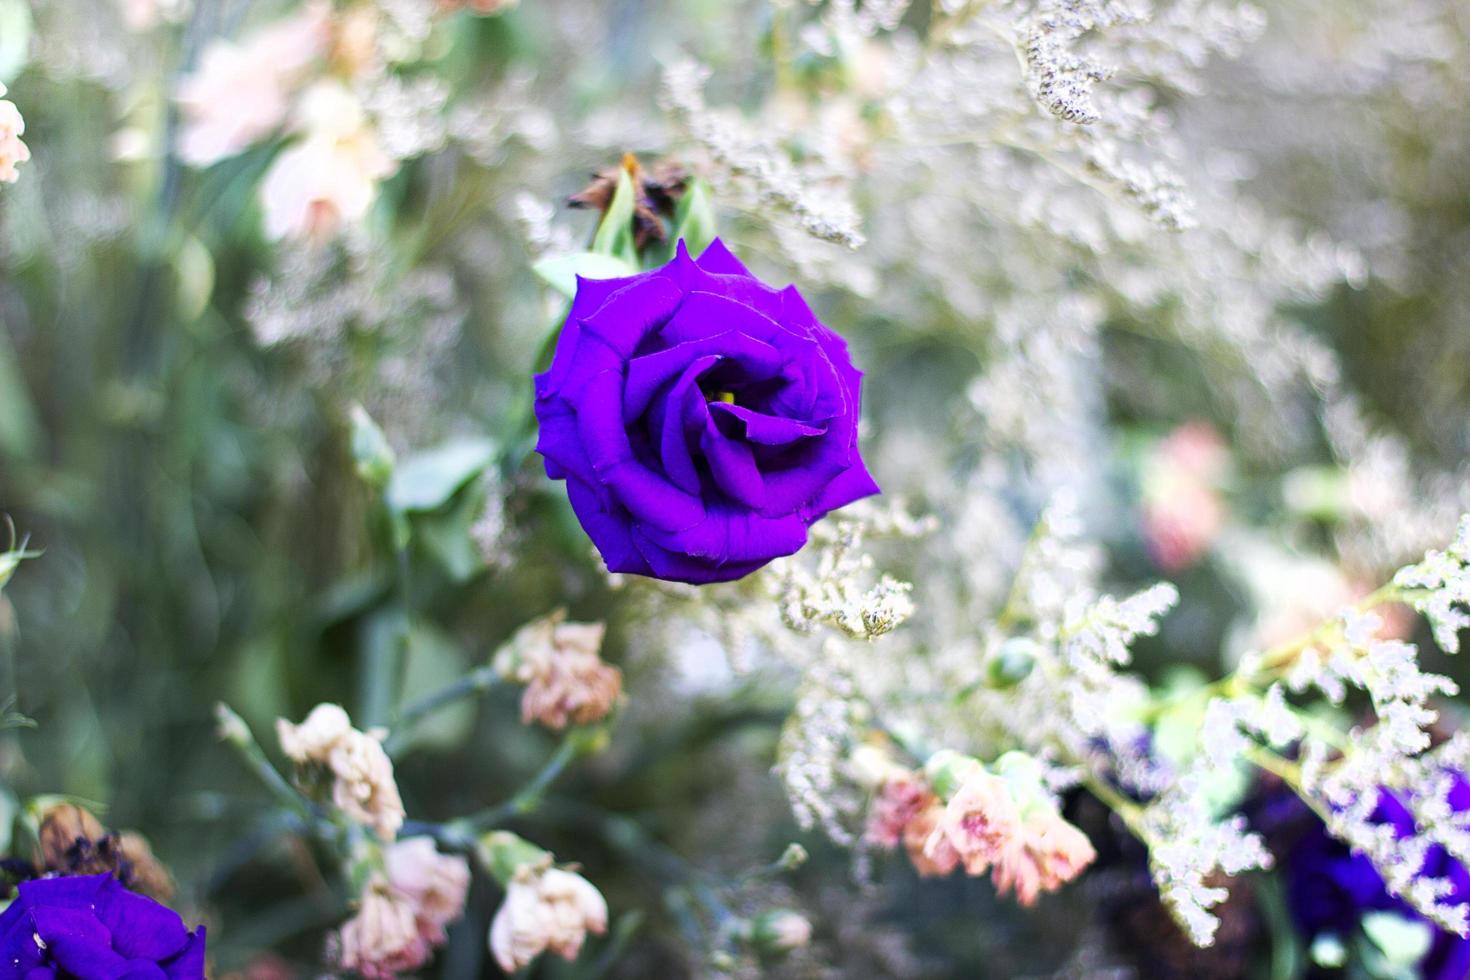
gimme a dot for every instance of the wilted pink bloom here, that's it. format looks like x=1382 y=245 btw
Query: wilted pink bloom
x=566 y=681
x=242 y=91
x=12 y=150
x=978 y=822
x=901 y=797
x=330 y=177
x=1182 y=508
x=932 y=857
x=435 y=884
x=1048 y=853
x=362 y=774
x=544 y=910
x=383 y=939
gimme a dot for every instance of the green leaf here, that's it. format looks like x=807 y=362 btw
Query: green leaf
x=435 y=661
x=426 y=480
x=445 y=534
x=560 y=272
x=615 y=233
x=694 y=219
x=15 y=37
x=19 y=428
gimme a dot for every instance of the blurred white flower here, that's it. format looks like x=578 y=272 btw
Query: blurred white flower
x=545 y=909
x=330 y=178
x=362 y=774
x=242 y=91
x=12 y=150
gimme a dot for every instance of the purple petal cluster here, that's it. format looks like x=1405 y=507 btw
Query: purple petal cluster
x=1330 y=888
x=92 y=928
x=701 y=419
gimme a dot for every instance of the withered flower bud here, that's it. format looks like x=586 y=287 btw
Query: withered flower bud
x=657 y=188
x=148 y=874
x=70 y=837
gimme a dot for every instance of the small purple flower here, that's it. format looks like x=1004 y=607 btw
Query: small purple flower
x=91 y=927
x=702 y=419
x=1330 y=888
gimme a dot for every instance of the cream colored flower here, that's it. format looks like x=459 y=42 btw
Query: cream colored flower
x=242 y=91
x=12 y=150
x=546 y=909
x=383 y=939
x=362 y=774
x=566 y=681
x=930 y=860
x=330 y=177
x=436 y=884
x=978 y=822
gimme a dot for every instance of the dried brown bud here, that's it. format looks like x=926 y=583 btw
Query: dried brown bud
x=148 y=875
x=74 y=842
x=69 y=837
x=658 y=190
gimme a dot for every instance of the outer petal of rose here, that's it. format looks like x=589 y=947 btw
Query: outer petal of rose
x=732 y=466
x=729 y=534
x=189 y=964
x=558 y=441
x=718 y=259
x=789 y=491
x=647 y=375
x=76 y=941
x=794 y=310
x=676 y=567
x=590 y=295
x=632 y=313
x=854 y=483
x=141 y=928
x=609 y=532
x=743 y=289
x=704 y=314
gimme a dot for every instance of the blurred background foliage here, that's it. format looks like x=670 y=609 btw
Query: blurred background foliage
x=205 y=536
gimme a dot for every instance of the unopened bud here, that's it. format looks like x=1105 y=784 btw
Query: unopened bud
x=779 y=931
x=372 y=457
x=1011 y=663
x=792 y=858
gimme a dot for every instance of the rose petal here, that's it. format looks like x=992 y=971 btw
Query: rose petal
x=732 y=465
x=648 y=374
x=631 y=314
x=851 y=484
x=608 y=532
x=141 y=928
x=675 y=567
x=768 y=430
x=719 y=260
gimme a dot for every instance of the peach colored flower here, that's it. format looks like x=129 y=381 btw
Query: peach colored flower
x=362 y=774
x=545 y=909
x=1048 y=853
x=12 y=150
x=383 y=939
x=934 y=861
x=901 y=797
x=566 y=681
x=330 y=177
x=978 y=822
x=435 y=884
x=242 y=91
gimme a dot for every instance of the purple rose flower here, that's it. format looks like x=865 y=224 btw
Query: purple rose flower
x=92 y=928
x=701 y=419
x=1329 y=888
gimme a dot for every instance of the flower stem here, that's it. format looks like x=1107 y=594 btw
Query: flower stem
x=476 y=682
